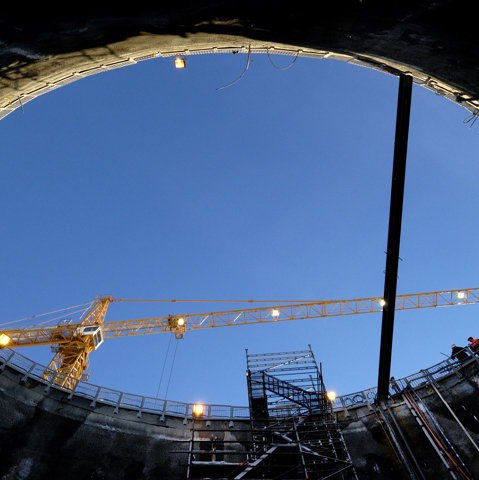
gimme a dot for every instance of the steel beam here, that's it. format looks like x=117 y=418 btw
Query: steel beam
x=394 y=233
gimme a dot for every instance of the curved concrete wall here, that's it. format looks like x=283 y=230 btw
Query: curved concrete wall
x=42 y=50
x=48 y=436
x=45 y=433
x=370 y=444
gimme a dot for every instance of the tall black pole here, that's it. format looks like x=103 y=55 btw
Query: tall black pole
x=394 y=232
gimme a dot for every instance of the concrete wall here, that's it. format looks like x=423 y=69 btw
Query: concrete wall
x=46 y=436
x=370 y=445
x=41 y=49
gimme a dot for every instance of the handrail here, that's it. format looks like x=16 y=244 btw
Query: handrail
x=416 y=380
x=107 y=396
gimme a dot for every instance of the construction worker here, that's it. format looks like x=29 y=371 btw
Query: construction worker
x=459 y=353
x=474 y=344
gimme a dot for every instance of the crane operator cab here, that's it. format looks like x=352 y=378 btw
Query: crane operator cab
x=95 y=331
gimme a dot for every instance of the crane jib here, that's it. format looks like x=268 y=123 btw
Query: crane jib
x=74 y=342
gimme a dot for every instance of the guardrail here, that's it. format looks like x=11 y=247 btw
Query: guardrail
x=107 y=396
x=416 y=380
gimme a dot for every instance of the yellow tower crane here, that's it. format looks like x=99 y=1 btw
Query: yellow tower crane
x=74 y=342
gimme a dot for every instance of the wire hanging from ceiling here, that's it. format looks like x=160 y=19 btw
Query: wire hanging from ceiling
x=244 y=71
x=471 y=118
x=282 y=68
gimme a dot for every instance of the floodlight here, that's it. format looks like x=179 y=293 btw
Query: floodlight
x=382 y=302
x=181 y=321
x=4 y=339
x=180 y=62
x=331 y=395
x=275 y=313
x=461 y=295
x=198 y=410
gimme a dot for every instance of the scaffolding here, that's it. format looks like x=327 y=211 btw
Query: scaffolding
x=212 y=455
x=294 y=433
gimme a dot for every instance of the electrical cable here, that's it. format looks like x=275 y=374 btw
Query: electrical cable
x=164 y=365
x=437 y=440
x=440 y=430
x=388 y=433
x=283 y=68
x=171 y=371
x=412 y=457
x=472 y=117
x=244 y=71
x=455 y=417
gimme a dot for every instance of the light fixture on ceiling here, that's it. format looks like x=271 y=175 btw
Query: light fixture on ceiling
x=180 y=62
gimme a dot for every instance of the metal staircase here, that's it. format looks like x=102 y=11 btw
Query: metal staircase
x=294 y=431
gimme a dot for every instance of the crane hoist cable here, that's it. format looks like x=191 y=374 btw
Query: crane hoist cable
x=171 y=371
x=164 y=365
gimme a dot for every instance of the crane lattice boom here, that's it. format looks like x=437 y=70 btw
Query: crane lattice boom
x=73 y=343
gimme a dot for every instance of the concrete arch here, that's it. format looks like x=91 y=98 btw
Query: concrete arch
x=42 y=50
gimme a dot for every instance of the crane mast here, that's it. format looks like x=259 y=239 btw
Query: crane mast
x=72 y=343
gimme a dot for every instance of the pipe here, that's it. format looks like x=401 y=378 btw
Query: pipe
x=405 y=442
x=431 y=441
x=441 y=431
x=455 y=418
x=404 y=460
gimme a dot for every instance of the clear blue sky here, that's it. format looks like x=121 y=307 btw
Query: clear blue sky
x=146 y=182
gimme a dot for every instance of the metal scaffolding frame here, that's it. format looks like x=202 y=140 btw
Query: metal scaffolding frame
x=211 y=455
x=294 y=431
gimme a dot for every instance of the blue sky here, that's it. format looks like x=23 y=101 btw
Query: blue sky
x=147 y=182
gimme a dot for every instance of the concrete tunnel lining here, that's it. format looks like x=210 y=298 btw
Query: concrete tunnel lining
x=43 y=50
x=49 y=432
